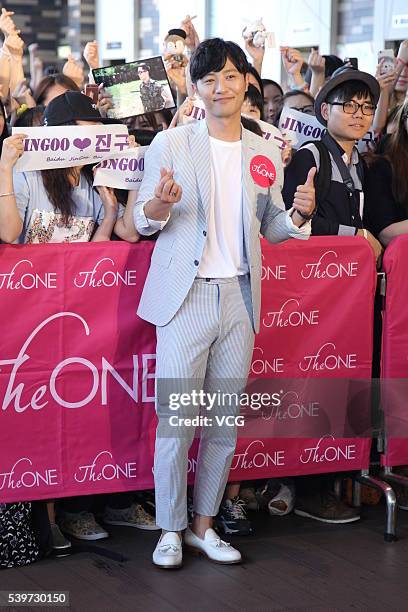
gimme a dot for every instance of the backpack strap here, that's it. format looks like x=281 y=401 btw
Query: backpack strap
x=324 y=173
x=361 y=169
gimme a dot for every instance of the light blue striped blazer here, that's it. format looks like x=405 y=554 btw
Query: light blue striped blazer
x=179 y=247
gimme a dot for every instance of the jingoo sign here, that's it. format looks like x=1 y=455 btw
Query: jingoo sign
x=64 y=147
x=125 y=170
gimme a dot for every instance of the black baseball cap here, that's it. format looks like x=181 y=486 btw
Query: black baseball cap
x=340 y=76
x=73 y=106
x=177 y=32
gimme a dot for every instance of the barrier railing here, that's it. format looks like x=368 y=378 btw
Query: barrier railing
x=394 y=365
x=77 y=367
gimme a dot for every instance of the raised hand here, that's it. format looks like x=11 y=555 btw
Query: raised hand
x=7 y=25
x=109 y=200
x=167 y=190
x=13 y=148
x=74 y=70
x=22 y=94
x=292 y=60
x=14 y=44
x=256 y=53
x=386 y=80
x=192 y=40
x=105 y=101
x=177 y=74
x=91 y=54
x=304 y=200
x=316 y=62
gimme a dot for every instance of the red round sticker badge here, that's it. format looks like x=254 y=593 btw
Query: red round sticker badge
x=262 y=171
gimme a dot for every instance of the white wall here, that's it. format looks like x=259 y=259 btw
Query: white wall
x=115 y=23
x=296 y=23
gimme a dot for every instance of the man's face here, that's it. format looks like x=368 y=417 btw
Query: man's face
x=347 y=126
x=222 y=92
x=144 y=74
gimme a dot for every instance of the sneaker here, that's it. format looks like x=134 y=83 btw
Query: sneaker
x=58 y=541
x=324 y=506
x=83 y=526
x=134 y=516
x=232 y=518
x=147 y=500
x=277 y=497
x=249 y=497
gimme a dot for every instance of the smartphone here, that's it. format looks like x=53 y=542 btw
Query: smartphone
x=387 y=60
x=353 y=61
x=92 y=91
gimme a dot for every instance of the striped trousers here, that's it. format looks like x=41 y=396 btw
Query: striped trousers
x=207 y=345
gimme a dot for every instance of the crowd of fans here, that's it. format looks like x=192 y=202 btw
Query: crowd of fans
x=357 y=194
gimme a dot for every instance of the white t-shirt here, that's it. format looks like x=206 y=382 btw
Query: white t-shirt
x=224 y=252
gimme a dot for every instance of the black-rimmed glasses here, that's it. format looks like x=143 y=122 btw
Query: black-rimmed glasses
x=352 y=107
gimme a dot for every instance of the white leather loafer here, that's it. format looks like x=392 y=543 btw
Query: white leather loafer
x=168 y=553
x=212 y=547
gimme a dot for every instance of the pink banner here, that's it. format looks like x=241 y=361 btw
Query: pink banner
x=77 y=366
x=394 y=366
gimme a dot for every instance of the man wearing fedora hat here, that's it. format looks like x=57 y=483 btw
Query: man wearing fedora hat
x=345 y=106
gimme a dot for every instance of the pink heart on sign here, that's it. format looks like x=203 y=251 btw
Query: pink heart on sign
x=82 y=143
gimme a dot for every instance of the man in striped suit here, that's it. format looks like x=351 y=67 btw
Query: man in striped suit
x=209 y=188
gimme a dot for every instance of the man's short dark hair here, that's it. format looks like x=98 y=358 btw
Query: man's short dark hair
x=211 y=56
x=144 y=67
x=348 y=90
